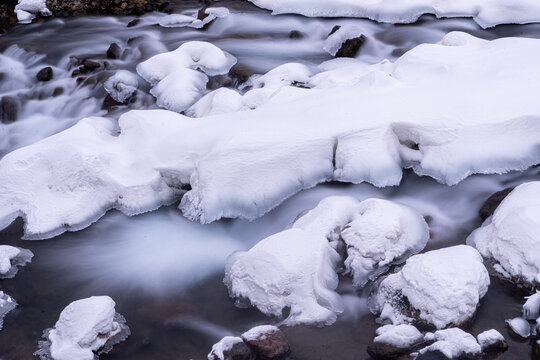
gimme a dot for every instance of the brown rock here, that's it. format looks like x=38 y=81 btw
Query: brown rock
x=45 y=74
x=267 y=342
x=114 y=51
x=493 y=202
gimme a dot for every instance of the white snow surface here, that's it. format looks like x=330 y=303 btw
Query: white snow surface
x=401 y=336
x=520 y=326
x=511 y=236
x=184 y=20
x=452 y=342
x=7 y=303
x=11 y=258
x=297 y=268
x=222 y=346
x=26 y=10
x=431 y=110
x=258 y=332
x=486 y=13
x=445 y=286
x=179 y=77
x=531 y=308
x=84 y=327
x=489 y=337
x=122 y=85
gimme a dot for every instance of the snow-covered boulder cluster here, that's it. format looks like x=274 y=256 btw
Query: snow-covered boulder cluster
x=179 y=77
x=352 y=123
x=439 y=288
x=297 y=268
x=486 y=13
x=11 y=258
x=510 y=239
x=26 y=10
x=85 y=328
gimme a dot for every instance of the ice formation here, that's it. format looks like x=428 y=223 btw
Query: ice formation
x=26 y=10
x=531 y=308
x=510 y=238
x=520 y=326
x=85 y=327
x=453 y=343
x=122 y=85
x=183 y=20
x=443 y=287
x=352 y=123
x=296 y=268
x=399 y=336
x=11 y=258
x=179 y=77
x=486 y=13
x=7 y=303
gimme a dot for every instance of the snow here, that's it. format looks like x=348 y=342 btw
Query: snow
x=531 y=308
x=222 y=346
x=258 y=332
x=345 y=32
x=11 y=258
x=184 y=20
x=84 y=327
x=489 y=337
x=520 y=326
x=26 y=10
x=453 y=343
x=486 y=13
x=444 y=286
x=6 y=305
x=122 y=85
x=366 y=124
x=401 y=336
x=511 y=237
x=177 y=83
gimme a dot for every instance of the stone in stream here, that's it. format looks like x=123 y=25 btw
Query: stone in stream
x=492 y=342
x=114 y=51
x=395 y=342
x=491 y=204
x=350 y=47
x=9 y=109
x=45 y=74
x=267 y=342
x=231 y=348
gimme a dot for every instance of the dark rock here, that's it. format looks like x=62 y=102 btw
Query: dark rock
x=239 y=351
x=432 y=355
x=7 y=14
x=350 y=47
x=493 y=202
x=133 y=22
x=269 y=345
x=58 y=91
x=114 y=51
x=295 y=34
x=109 y=103
x=495 y=349
x=9 y=109
x=90 y=64
x=381 y=351
x=101 y=7
x=334 y=29
x=45 y=74
x=240 y=73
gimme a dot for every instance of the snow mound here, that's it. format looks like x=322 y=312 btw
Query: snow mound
x=258 y=332
x=11 y=258
x=334 y=42
x=441 y=287
x=6 y=305
x=122 y=85
x=225 y=345
x=520 y=326
x=399 y=336
x=177 y=83
x=352 y=123
x=297 y=268
x=85 y=327
x=510 y=238
x=453 y=343
x=490 y=338
x=183 y=20
x=26 y=10
x=486 y=13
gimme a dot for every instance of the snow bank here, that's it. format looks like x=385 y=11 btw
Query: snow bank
x=510 y=238
x=176 y=82
x=11 y=258
x=26 y=10
x=453 y=343
x=486 y=13
x=431 y=111
x=85 y=326
x=183 y=20
x=441 y=287
x=6 y=305
x=122 y=85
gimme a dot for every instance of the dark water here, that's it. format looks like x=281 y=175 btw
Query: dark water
x=164 y=272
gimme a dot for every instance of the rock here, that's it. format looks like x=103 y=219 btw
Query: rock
x=45 y=74
x=452 y=343
x=133 y=22
x=267 y=342
x=58 y=91
x=351 y=47
x=240 y=73
x=295 y=34
x=489 y=206
x=65 y=8
x=9 y=109
x=519 y=327
x=492 y=342
x=231 y=348
x=90 y=64
x=114 y=51
x=394 y=341
x=531 y=308
x=7 y=14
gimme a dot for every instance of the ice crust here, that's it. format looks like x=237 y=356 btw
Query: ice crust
x=85 y=327
x=486 y=13
x=11 y=258
x=7 y=303
x=444 y=286
x=122 y=85
x=297 y=268
x=351 y=122
x=26 y=10
x=510 y=238
x=453 y=343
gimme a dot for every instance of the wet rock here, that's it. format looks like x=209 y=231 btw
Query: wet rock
x=133 y=22
x=334 y=29
x=489 y=206
x=295 y=34
x=45 y=74
x=240 y=73
x=114 y=51
x=350 y=47
x=7 y=14
x=267 y=342
x=66 y=8
x=58 y=91
x=9 y=109
x=231 y=348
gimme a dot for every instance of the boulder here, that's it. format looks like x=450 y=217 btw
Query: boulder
x=267 y=342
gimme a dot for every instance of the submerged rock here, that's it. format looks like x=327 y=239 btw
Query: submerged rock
x=114 y=51
x=11 y=258
x=267 y=342
x=9 y=109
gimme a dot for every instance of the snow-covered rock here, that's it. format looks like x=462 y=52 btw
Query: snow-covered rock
x=11 y=258
x=454 y=343
x=365 y=125
x=267 y=342
x=85 y=327
x=486 y=13
x=7 y=303
x=492 y=341
x=510 y=239
x=335 y=41
x=122 y=85
x=177 y=83
x=441 y=287
x=231 y=347
x=183 y=20
x=531 y=308
x=520 y=327
x=393 y=341
x=26 y=10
